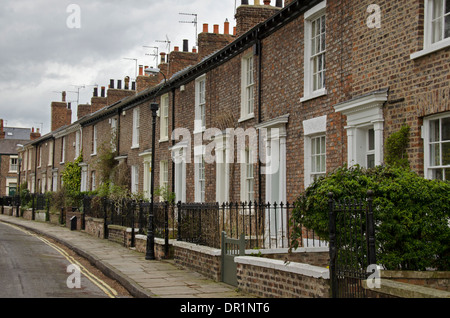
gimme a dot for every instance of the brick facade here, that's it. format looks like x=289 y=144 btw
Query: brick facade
x=361 y=62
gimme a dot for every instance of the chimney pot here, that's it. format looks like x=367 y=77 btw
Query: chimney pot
x=103 y=91
x=133 y=86
x=279 y=4
x=267 y=2
x=194 y=50
x=185 y=45
x=176 y=48
x=205 y=27
x=141 y=70
x=163 y=57
x=63 y=96
x=95 y=91
x=216 y=28
x=111 y=83
x=244 y=2
x=119 y=84
x=257 y=3
x=127 y=82
x=226 y=27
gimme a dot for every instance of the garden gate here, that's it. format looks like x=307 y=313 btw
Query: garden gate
x=352 y=246
x=230 y=249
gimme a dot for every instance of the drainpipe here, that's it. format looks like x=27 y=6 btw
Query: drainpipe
x=173 y=141
x=118 y=132
x=259 y=53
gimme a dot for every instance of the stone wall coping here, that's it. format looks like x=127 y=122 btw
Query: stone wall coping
x=297 y=268
x=198 y=248
x=405 y=290
x=286 y=250
x=415 y=274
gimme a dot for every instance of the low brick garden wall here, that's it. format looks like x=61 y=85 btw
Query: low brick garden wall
x=270 y=278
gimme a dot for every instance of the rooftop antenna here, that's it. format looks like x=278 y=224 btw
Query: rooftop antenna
x=168 y=46
x=136 y=61
x=77 y=92
x=194 y=22
x=154 y=54
x=165 y=41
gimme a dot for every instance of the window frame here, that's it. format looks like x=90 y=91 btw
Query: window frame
x=429 y=168
x=12 y=165
x=200 y=104
x=311 y=16
x=248 y=85
x=164 y=119
x=135 y=128
x=428 y=45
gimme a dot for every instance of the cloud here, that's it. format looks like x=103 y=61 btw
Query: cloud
x=41 y=56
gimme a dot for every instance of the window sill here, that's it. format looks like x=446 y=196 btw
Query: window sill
x=164 y=139
x=93 y=154
x=315 y=94
x=431 y=49
x=246 y=117
x=135 y=147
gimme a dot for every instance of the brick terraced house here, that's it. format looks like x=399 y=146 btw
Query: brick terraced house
x=295 y=92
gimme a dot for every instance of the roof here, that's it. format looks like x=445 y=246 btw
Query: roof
x=9 y=146
x=17 y=133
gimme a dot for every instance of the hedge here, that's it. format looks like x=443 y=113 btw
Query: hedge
x=412 y=214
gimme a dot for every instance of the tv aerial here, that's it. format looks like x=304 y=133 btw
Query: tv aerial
x=192 y=22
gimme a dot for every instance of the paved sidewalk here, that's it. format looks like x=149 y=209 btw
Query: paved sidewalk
x=142 y=278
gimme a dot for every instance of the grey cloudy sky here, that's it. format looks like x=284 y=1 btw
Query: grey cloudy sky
x=40 y=56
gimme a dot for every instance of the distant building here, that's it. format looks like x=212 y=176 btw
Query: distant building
x=12 y=138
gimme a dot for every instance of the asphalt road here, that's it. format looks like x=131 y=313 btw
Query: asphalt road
x=33 y=267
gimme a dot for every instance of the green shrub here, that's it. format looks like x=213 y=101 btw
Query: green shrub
x=411 y=213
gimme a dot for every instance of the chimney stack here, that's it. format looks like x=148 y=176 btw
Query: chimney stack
x=2 y=133
x=248 y=16
x=61 y=114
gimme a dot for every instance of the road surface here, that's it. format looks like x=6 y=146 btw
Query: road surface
x=32 y=266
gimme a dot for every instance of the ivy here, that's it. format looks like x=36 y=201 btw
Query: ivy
x=396 y=146
x=71 y=177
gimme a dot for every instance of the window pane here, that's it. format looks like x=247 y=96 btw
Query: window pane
x=434 y=130
x=445 y=126
x=446 y=153
x=447 y=174
x=370 y=161
x=447 y=26
x=447 y=6
x=435 y=155
x=371 y=139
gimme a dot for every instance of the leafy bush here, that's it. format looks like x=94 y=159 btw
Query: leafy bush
x=72 y=182
x=411 y=213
